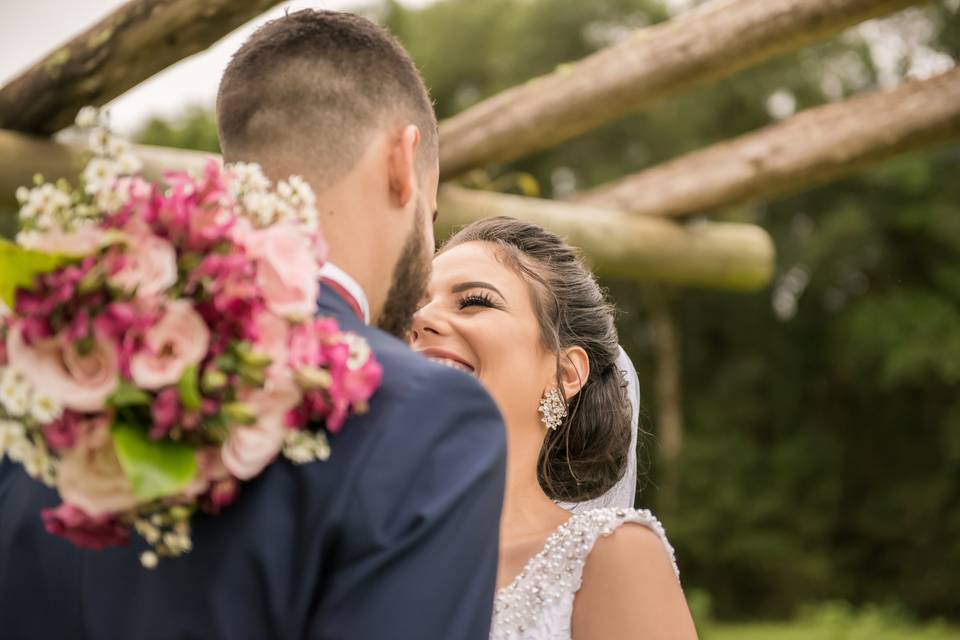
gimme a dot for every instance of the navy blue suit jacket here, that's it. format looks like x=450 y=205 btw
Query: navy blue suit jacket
x=395 y=536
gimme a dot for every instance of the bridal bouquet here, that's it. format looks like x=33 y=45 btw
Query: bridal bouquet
x=158 y=344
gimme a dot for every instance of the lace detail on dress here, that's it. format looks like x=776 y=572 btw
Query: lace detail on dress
x=538 y=604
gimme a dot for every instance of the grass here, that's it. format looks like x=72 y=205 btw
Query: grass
x=833 y=620
x=813 y=631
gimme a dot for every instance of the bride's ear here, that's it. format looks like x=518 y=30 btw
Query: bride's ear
x=574 y=370
x=401 y=165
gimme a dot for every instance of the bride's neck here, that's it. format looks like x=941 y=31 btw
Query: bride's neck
x=527 y=510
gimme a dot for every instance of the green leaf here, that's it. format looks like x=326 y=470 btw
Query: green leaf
x=129 y=395
x=155 y=468
x=188 y=389
x=19 y=267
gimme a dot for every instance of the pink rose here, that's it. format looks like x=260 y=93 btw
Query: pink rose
x=84 y=530
x=79 y=381
x=90 y=476
x=179 y=339
x=210 y=470
x=287 y=270
x=250 y=448
x=149 y=265
x=242 y=233
x=82 y=242
x=272 y=335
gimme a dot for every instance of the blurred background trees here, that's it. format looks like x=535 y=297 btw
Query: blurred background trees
x=820 y=457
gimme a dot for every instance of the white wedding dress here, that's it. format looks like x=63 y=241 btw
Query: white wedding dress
x=538 y=604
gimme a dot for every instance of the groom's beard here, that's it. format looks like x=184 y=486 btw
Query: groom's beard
x=410 y=278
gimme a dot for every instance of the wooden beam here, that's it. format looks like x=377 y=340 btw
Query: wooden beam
x=134 y=42
x=808 y=149
x=704 y=254
x=712 y=41
x=728 y=256
x=22 y=156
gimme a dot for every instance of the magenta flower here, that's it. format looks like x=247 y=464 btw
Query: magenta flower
x=62 y=433
x=85 y=531
x=165 y=411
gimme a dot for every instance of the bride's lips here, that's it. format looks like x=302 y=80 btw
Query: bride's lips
x=450 y=359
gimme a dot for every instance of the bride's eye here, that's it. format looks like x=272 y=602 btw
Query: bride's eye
x=476 y=300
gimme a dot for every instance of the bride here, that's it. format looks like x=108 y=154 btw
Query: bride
x=513 y=305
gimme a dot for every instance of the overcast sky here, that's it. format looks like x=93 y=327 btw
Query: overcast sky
x=29 y=29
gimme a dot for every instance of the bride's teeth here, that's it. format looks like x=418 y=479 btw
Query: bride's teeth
x=452 y=364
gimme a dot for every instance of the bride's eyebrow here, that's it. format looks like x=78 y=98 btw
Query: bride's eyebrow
x=475 y=284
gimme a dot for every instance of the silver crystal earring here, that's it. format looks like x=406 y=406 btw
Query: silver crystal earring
x=553 y=409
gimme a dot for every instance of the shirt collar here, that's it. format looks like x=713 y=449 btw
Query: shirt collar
x=342 y=278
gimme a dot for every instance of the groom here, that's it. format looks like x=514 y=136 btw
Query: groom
x=396 y=535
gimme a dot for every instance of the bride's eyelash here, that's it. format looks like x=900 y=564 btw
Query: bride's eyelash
x=476 y=300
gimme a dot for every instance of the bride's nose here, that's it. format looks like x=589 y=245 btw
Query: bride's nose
x=425 y=321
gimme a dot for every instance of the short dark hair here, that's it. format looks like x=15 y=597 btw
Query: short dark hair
x=314 y=86
x=587 y=454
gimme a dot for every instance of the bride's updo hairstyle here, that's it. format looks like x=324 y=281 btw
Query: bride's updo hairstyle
x=587 y=454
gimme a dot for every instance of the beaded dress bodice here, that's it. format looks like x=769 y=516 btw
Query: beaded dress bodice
x=538 y=604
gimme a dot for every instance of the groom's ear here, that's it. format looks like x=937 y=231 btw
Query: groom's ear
x=574 y=370
x=401 y=165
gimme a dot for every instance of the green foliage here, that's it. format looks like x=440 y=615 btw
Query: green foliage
x=195 y=129
x=155 y=468
x=822 y=429
x=19 y=267
x=189 y=388
x=836 y=620
x=129 y=395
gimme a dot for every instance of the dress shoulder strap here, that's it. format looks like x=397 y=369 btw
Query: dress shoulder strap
x=554 y=575
x=586 y=528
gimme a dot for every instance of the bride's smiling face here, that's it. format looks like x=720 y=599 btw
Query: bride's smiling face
x=479 y=316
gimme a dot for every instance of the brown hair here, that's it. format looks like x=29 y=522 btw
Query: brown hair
x=587 y=454
x=314 y=86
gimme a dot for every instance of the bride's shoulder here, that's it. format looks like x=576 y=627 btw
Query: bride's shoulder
x=632 y=538
x=630 y=581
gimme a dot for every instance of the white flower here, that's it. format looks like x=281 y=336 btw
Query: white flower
x=110 y=200
x=87 y=117
x=359 y=351
x=309 y=219
x=247 y=176
x=28 y=212
x=303 y=191
x=43 y=203
x=266 y=208
x=15 y=392
x=99 y=174
x=10 y=432
x=301 y=447
x=129 y=164
x=99 y=141
x=45 y=409
x=117 y=147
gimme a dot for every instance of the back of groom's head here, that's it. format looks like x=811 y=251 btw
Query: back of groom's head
x=308 y=91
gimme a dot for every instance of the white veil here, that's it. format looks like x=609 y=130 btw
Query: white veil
x=623 y=493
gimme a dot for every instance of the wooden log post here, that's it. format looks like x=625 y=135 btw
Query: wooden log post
x=714 y=40
x=22 y=156
x=808 y=149
x=711 y=255
x=131 y=44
